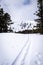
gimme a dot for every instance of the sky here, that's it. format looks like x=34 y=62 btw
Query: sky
x=20 y=10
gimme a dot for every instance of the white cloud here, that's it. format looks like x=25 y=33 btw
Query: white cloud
x=18 y=10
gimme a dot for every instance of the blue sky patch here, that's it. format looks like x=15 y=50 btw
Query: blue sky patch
x=26 y=2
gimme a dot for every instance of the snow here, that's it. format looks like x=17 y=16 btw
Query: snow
x=24 y=25
x=21 y=49
x=35 y=54
x=10 y=46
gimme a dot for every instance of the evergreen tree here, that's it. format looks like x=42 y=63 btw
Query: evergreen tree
x=5 y=21
x=39 y=13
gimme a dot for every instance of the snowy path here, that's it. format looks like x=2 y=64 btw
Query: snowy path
x=17 y=49
x=10 y=47
x=32 y=54
x=22 y=55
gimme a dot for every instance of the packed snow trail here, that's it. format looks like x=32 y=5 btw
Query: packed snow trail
x=10 y=47
x=22 y=55
x=32 y=55
x=17 y=49
x=23 y=60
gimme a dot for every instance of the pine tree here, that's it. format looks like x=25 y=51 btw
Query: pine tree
x=39 y=13
x=5 y=21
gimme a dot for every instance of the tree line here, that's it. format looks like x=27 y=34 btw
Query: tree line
x=5 y=21
x=39 y=20
x=39 y=13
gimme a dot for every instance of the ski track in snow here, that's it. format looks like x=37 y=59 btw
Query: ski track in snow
x=30 y=52
x=22 y=53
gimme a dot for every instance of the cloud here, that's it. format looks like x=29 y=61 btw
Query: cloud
x=16 y=3
x=20 y=9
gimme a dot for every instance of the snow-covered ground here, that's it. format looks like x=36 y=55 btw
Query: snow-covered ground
x=21 y=49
